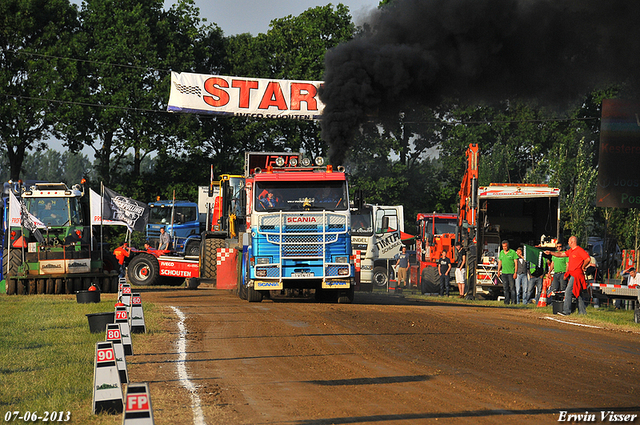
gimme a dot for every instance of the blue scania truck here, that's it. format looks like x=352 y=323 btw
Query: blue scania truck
x=292 y=224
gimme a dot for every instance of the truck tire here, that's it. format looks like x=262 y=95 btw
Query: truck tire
x=430 y=280
x=192 y=249
x=347 y=298
x=143 y=270
x=254 y=296
x=209 y=261
x=380 y=277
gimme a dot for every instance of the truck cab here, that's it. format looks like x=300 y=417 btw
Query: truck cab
x=376 y=240
x=180 y=220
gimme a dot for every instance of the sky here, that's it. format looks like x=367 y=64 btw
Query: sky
x=254 y=16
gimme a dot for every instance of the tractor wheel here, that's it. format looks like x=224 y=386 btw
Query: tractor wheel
x=12 y=285
x=59 y=289
x=143 y=270
x=51 y=286
x=11 y=261
x=209 y=261
x=380 y=277
x=430 y=280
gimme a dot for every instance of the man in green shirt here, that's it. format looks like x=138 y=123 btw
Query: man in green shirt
x=507 y=272
x=557 y=269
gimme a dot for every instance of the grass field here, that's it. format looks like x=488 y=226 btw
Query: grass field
x=47 y=354
x=47 y=351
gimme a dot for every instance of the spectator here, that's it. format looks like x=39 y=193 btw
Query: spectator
x=632 y=280
x=403 y=268
x=444 y=268
x=461 y=263
x=507 y=264
x=122 y=253
x=522 y=278
x=557 y=269
x=164 y=240
x=577 y=285
x=535 y=281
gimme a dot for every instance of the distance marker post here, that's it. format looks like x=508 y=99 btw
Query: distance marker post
x=137 y=315
x=122 y=318
x=114 y=334
x=126 y=295
x=138 y=409
x=107 y=388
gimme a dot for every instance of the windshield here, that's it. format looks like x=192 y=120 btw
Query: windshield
x=55 y=211
x=361 y=223
x=442 y=225
x=162 y=215
x=301 y=196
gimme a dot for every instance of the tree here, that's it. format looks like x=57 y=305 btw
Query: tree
x=33 y=35
x=129 y=44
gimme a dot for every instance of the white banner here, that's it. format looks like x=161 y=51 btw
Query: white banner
x=95 y=208
x=245 y=97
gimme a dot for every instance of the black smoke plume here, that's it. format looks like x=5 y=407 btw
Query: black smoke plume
x=554 y=51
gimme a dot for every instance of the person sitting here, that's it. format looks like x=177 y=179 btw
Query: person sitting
x=269 y=201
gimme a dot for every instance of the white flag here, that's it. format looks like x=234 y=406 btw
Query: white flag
x=15 y=213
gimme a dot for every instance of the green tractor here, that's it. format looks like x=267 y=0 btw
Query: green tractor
x=48 y=246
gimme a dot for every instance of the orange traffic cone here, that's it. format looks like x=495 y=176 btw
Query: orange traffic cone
x=542 y=301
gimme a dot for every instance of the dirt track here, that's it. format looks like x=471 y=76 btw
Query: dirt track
x=385 y=360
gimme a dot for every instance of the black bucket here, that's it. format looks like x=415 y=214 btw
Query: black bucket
x=86 y=297
x=98 y=321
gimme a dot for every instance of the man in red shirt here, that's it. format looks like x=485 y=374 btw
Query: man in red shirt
x=121 y=253
x=577 y=284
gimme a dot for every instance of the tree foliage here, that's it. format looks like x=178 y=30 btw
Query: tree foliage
x=100 y=77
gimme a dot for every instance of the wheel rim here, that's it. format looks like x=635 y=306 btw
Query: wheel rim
x=142 y=272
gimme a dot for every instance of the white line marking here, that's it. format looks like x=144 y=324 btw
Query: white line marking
x=572 y=323
x=198 y=415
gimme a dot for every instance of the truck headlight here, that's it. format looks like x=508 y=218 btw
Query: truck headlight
x=262 y=260
x=261 y=273
x=343 y=271
x=342 y=259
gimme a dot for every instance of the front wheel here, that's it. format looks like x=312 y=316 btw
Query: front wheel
x=192 y=250
x=380 y=277
x=143 y=270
